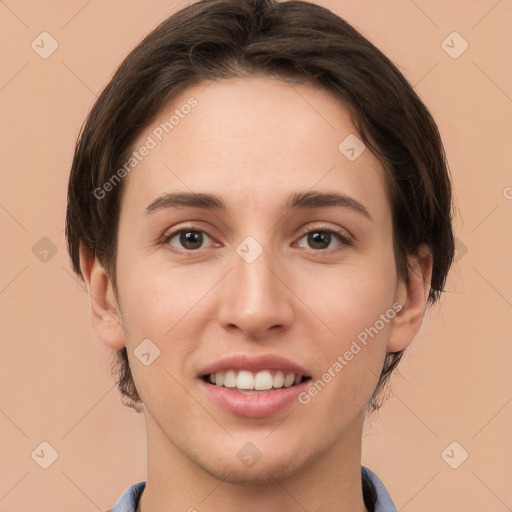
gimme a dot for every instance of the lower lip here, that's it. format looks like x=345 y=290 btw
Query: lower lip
x=258 y=405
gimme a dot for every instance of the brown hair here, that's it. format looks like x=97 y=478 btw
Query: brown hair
x=218 y=39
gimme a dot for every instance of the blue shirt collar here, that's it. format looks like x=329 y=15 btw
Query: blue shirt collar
x=376 y=496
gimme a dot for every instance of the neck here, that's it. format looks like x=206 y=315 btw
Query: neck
x=325 y=481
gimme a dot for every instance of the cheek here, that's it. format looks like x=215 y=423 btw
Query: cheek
x=154 y=297
x=351 y=360
x=159 y=304
x=355 y=308
x=157 y=308
x=350 y=298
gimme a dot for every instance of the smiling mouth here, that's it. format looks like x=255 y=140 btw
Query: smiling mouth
x=247 y=382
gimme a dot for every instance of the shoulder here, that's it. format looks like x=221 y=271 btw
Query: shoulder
x=376 y=496
x=129 y=499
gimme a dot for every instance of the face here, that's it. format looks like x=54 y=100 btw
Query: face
x=279 y=283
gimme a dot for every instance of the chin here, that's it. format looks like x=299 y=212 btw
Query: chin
x=260 y=474
x=274 y=465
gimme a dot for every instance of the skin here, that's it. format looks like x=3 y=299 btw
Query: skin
x=253 y=141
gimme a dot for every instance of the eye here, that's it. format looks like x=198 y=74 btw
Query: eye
x=192 y=239
x=189 y=238
x=321 y=238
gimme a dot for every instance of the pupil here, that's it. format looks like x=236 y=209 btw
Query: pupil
x=193 y=238
x=320 y=237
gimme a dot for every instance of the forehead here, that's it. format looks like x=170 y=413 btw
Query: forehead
x=254 y=141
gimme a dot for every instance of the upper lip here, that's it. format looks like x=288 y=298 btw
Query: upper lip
x=254 y=364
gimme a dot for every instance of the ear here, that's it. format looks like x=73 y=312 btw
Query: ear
x=103 y=306
x=413 y=298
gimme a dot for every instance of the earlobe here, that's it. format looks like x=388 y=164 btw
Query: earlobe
x=413 y=297
x=103 y=308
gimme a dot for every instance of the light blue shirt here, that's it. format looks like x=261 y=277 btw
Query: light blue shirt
x=375 y=495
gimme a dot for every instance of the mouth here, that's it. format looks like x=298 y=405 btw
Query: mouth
x=250 y=382
x=250 y=386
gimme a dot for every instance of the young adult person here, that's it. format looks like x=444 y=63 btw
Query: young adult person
x=260 y=208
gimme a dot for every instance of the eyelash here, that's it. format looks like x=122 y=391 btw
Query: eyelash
x=341 y=237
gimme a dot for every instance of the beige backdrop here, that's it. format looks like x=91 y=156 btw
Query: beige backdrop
x=453 y=395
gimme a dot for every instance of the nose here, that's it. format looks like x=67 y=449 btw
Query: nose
x=255 y=298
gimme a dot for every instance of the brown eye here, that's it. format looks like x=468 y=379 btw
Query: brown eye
x=321 y=239
x=189 y=239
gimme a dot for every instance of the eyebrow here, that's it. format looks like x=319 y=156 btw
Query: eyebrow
x=296 y=201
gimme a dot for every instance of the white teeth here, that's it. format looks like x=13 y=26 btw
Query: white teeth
x=260 y=381
x=278 y=380
x=230 y=379
x=263 y=380
x=289 y=380
x=244 y=380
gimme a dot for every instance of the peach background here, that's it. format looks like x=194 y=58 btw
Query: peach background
x=454 y=384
